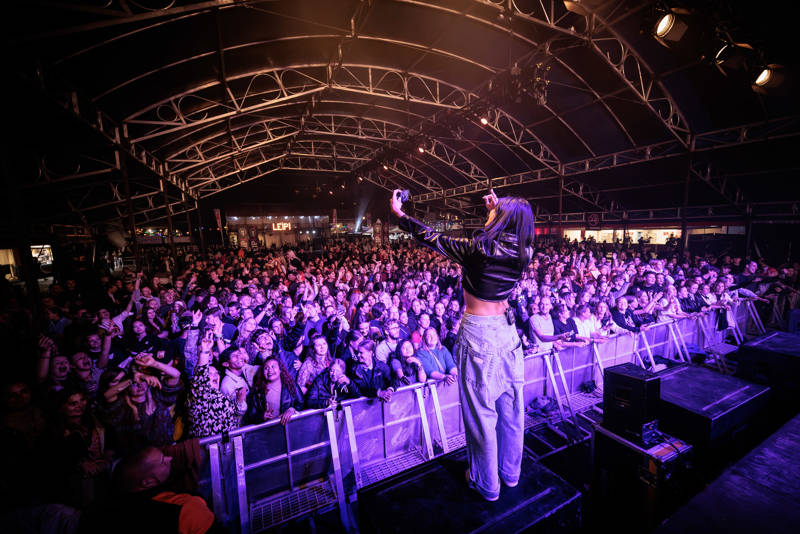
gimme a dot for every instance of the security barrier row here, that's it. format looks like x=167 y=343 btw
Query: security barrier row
x=263 y=475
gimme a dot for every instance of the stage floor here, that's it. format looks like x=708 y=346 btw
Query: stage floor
x=434 y=497
x=759 y=493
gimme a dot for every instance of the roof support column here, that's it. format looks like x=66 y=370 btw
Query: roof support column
x=189 y=227
x=748 y=231
x=560 y=206
x=685 y=207
x=119 y=158
x=170 y=226
x=200 y=229
x=189 y=223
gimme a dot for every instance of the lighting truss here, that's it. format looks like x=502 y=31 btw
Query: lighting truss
x=781 y=128
x=268 y=88
x=761 y=211
x=273 y=88
x=224 y=159
x=613 y=49
x=196 y=109
x=199 y=160
x=600 y=35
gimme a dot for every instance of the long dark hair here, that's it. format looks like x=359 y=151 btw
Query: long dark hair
x=260 y=381
x=512 y=215
x=60 y=424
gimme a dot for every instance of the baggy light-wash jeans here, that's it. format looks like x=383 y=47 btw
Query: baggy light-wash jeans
x=490 y=357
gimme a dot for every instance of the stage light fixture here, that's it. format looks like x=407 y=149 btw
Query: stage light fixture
x=385 y=167
x=664 y=25
x=670 y=28
x=735 y=57
x=484 y=121
x=421 y=149
x=360 y=179
x=770 y=79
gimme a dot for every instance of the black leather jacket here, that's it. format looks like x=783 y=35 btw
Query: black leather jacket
x=490 y=271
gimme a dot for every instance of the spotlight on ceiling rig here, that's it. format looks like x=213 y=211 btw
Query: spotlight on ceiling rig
x=772 y=78
x=732 y=56
x=671 y=27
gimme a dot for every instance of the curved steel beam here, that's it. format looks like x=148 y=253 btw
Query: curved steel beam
x=356 y=150
x=546 y=13
x=626 y=63
x=257 y=157
x=174 y=113
x=639 y=77
x=502 y=124
x=336 y=154
x=304 y=162
x=515 y=133
x=547 y=16
x=350 y=128
x=142 y=76
x=365 y=127
x=453 y=159
x=276 y=112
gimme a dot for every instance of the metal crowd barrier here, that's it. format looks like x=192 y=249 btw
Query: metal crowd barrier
x=264 y=475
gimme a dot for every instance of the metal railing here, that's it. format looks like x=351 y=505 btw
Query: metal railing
x=264 y=475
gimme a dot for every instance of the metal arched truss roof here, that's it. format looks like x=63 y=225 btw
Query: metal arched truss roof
x=188 y=99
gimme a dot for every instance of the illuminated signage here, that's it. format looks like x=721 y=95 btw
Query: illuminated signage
x=281 y=226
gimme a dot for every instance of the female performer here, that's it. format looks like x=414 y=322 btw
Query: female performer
x=488 y=351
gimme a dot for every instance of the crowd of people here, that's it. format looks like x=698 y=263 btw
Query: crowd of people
x=129 y=363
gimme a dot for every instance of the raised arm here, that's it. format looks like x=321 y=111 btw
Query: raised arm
x=457 y=249
x=105 y=351
x=47 y=349
x=147 y=360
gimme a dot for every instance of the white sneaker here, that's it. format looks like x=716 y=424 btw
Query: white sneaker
x=509 y=484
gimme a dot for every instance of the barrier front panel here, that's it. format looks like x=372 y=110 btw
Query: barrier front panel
x=535 y=377
x=617 y=351
x=278 y=459
x=266 y=460
x=369 y=429
x=690 y=332
x=710 y=334
x=450 y=403
x=659 y=341
x=229 y=488
x=743 y=319
x=310 y=448
x=266 y=441
x=218 y=468
x=579 y=366
x=204 y=486
x=402 y=422
x=431 y=413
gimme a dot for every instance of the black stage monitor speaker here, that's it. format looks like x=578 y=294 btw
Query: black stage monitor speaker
x=708 y=409
x=773 y=360
x=630 y=399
